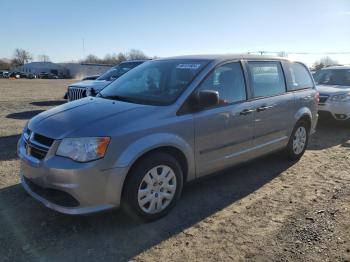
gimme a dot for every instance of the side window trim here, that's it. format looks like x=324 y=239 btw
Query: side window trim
x=252 y=98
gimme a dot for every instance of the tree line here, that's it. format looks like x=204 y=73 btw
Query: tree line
x=114 y=59
x=21 y=57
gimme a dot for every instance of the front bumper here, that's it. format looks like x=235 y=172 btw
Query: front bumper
x=338 y=110
x=70 y=187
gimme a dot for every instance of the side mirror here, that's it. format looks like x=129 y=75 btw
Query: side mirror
x=207 y=98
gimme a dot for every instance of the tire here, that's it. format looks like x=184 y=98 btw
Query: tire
x=153 y=187
x=298 y=141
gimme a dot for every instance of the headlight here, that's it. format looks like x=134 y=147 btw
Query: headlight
x=26 y=132
x=341 y=97
x=83 y=149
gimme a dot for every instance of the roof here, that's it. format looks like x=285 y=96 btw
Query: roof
x=134 y=61
x=336 y=67
x=226 y=57
x=42 y=65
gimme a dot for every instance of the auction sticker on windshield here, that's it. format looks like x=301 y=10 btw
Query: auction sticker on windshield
x=189 y=66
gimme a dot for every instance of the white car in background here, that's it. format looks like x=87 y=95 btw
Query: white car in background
x=333 y=83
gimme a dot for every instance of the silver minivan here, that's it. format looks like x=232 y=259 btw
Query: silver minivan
x=164 y=123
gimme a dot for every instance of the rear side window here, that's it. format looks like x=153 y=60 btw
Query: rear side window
x=267 y=78
x=300 y=77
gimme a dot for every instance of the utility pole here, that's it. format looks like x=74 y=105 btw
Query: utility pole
x=83 y=39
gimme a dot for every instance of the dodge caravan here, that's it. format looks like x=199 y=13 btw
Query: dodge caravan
x=164 y=123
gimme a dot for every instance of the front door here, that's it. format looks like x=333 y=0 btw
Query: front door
x=223 y=133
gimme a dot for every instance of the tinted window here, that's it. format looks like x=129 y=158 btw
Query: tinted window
x=157 y=82
x=333 y=77
x=300 y=77
x=267 y=78
x=228 y=81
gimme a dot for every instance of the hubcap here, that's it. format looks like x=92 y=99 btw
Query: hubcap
x=299 y=140
x=157 y=189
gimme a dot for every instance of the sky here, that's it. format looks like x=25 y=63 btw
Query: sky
x=68 y=30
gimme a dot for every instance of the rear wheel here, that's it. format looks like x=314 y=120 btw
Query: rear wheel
x=153 y=186
x=298 y=141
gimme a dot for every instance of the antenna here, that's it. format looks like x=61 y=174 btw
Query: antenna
x=83 y=39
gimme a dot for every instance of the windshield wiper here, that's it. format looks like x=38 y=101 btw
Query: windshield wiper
x=120 y=98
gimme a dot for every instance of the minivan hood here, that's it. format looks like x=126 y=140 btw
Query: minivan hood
x=95 y=84
x=332 y=89
x=87 y=117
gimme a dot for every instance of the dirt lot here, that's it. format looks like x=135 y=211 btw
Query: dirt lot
x=267 y=210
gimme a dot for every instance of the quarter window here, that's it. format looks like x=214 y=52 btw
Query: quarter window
x=228 y=81
x=267 y=78
x=301 y=78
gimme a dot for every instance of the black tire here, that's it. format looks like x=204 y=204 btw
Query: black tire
x=134 y=179
x=290 y=152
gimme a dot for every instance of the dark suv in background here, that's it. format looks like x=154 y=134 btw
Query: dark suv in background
x=92 y=87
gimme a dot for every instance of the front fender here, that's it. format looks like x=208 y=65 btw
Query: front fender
x=138 y=148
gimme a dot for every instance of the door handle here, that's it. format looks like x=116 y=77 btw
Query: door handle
x=263 y=108
x=246 y=112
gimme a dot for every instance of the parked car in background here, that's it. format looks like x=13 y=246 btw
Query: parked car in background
x=333 y=83
x=31 y=76
x=17 y=75
x=44 y=75
x=4 y=74
x=164 y=123
x=91 y=88
x=90 y=77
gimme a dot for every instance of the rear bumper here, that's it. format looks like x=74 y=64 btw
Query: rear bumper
x=69 y=187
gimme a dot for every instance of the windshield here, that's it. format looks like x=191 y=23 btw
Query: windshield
x=333 y=77
x=117 y=71
x=155 y=82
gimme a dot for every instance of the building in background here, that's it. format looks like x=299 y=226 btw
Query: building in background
x=37 y=68
x=62 y=70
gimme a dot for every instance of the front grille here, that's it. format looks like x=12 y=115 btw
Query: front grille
x=37 y=145
x=37 y=153
x=75 y=93
x=323 y=98
x=55 y=196
x=43 y=140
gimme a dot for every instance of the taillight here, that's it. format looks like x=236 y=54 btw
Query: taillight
x=317 y=97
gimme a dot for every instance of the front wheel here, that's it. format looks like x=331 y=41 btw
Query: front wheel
x=153 y=186
x=298 y=141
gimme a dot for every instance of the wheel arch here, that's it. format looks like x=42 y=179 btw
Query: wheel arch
x=171 y=150
x=159 y=142
x=304 y=114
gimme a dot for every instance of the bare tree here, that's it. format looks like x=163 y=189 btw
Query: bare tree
x=5 y=64
x=114 y=59
x=324 y=62
x=21 y=57
x=43 y=58
x=91 y=59
x=122 y=57
x=135 y=54
x=110 y=59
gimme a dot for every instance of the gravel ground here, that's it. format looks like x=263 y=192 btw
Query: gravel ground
x=268 y=209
